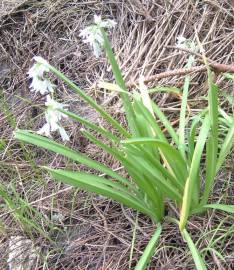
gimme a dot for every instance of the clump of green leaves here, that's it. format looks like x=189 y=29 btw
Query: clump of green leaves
x=161 y=166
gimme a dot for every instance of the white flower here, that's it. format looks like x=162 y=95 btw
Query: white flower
x=181 y=41
x=39 y=67
x=104 y=24
x=63 y=134
x=54 y=105
x=93 y=35
x=45 y=130
x=42 y=86
x=53 y=116
x=36 y=73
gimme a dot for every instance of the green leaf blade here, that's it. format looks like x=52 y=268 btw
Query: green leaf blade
x=200 y=265
x=149 y=250
x=48 y=144
x=191 y=181
x=100 y=186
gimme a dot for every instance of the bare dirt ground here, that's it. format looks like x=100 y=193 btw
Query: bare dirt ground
x=86 y=231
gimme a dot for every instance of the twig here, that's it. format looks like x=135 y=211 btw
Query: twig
x=217 y=67
x=170 y=73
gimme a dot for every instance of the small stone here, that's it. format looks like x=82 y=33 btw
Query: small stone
x=22 y=254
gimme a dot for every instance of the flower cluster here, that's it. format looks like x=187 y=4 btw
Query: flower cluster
x=40 y=83
x=93 y=34
x=44 y=86
x=36 y=73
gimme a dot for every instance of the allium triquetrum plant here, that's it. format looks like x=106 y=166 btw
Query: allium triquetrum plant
x=162 y=166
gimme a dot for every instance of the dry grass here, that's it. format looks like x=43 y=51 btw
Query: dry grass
x=95 y=233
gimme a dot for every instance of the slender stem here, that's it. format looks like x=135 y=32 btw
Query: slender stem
x=120 y=81
x=183 y=111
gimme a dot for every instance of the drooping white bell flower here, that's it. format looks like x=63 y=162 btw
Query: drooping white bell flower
x=39 y=67
x=53 y=116
x=92 y=34
x=42 y=86
x=45 y=130
x=36 y=73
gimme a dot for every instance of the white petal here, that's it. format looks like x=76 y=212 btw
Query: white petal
x=32 y=71
x=52 y=118
x=45 y=130
x=63 y=134
x=96 y=49
x=107 y=24
x=38 y=85
x=181 y=39
x=48 y=99
x=37 y=70
x=54 y=126
x=112 y=23
x=98 y=38
x=97 y=19
x=49 y=86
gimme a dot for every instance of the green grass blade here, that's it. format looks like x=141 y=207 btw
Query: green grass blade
x=48 y=144
x=90 y=101
x=200 y=265
x=192 y=134
x=210 y=172
x=212 y=144
x=133 y=241
x=228 y=97
x=166 y=89
x=99 y=185
x=157 y=180
x=172 y=156
x=155 y=173
x=114 y=151
x=166 y=123
x=182 y=122
x=17 y=212
x=156 y=164
x=144 y=96
x=223 y=207
x=112 y=87
x=216 y=252
x=227 y=118
x=149 y=120
x=149 y=250
x=91 y=125
x=193 y=172
x=226 y=147
x=213 y=106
